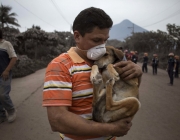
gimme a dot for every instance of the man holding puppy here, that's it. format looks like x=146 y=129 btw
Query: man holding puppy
x=68 y=90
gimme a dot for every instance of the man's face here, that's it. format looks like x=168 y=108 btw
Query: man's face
x=90 y=40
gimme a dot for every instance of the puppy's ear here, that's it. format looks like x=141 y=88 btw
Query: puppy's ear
x=118 y=53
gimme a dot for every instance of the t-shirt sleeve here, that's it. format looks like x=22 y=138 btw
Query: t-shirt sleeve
x=57 y=89
x=10 y=50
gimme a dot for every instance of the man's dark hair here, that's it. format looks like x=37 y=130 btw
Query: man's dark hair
x=90 y=18
x=1 y=36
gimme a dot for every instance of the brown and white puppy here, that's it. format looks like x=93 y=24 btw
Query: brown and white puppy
x=113 y=97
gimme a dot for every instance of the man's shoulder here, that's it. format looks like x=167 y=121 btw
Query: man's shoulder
x=62 y=59
x=5 y=43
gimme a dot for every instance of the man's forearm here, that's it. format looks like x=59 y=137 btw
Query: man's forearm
x=11 y=64
x=69 y=123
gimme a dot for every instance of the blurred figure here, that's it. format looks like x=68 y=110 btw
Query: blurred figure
x=171 y=67
x=134 y=57
x=136 y=53
x=145 y=62
x=127 y=55
x=155 y=62
x=176 y=75
x=121 y=48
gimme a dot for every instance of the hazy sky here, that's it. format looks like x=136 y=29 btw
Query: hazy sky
x=59 y=15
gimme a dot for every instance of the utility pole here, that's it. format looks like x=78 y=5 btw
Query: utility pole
x=132 y=28
x=132 y=32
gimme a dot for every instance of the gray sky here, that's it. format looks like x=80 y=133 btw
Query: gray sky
x=59 y=15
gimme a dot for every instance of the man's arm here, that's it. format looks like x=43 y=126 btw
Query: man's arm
x=61 y=120
x=5 y=74
x=11 y=64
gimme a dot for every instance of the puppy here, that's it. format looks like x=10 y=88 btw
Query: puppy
x=113 y=97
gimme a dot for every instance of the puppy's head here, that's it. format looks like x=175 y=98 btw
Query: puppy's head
x=112 y=56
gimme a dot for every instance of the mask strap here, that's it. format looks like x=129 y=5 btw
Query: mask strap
x=81 y=49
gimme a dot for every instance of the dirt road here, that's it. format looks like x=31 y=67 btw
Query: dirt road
x=158 y=118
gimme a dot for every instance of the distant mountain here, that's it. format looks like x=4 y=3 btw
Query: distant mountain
x=124 y=29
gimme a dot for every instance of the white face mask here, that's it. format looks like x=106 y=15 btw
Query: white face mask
x=96 y=52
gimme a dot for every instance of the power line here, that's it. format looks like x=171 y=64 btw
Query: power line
x=170 y=16
x=34 y=14
x=54 y=4
x=161 y=11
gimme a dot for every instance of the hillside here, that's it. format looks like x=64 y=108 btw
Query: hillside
x=124 y=29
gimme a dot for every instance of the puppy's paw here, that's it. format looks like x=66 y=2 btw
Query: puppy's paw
x=110 y=82
x=113 y=73
x=96 y=79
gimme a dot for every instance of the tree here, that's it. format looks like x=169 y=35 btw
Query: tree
x=6 y=17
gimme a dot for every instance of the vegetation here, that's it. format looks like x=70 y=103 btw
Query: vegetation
x=6 y=17
x=36 y=48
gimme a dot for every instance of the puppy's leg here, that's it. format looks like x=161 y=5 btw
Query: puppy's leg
x=130 y=104
x=112 y=72
x=96 y=79
x=109 y=99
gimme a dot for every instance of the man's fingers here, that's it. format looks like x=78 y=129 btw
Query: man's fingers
x=129 y=74
x=121 y=64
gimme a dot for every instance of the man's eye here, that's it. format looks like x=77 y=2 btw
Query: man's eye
x=96 y=40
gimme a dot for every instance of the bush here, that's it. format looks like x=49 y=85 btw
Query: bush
x=26 y=66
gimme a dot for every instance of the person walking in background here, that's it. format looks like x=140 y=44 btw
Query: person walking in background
x=154 y=63
x=176 y=75
x=136 y=54
x=145 y=62
x=133 y=57
x=171 y=67
x=7 y=61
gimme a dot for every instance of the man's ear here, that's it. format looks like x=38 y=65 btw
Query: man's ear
x=76 y=37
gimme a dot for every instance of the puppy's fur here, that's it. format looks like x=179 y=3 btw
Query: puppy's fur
x=113 y=97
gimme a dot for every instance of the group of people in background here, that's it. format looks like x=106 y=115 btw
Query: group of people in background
x=172 y=64
x=154 y=63
x=132 y=55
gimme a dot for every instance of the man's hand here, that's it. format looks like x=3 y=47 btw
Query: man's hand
x=122 y=127
x=129 y=69
x=5 y=75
